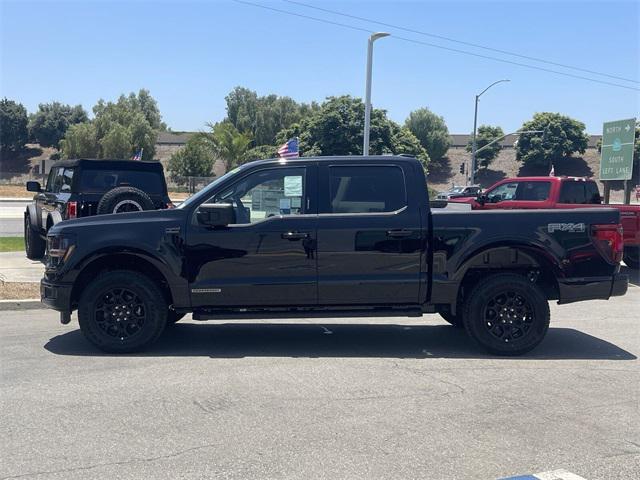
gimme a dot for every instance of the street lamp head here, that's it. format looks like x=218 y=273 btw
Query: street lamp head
x=377 y=35
x=494 y=83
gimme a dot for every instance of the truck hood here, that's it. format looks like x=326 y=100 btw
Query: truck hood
x=120 y=222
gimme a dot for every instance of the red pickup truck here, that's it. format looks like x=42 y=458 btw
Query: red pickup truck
x=559 y=192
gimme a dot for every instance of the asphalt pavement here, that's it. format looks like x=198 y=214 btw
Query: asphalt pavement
x=341 y=398
x=11 y=213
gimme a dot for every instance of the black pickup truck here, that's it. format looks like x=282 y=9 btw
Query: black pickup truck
x=333 y=236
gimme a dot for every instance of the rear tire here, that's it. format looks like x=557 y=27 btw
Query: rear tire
x=124 y=200
x=34 y=244
x=632 y=257
x=507 y=314
x=122 y=311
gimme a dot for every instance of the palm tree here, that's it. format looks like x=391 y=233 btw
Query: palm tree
x=227 y=142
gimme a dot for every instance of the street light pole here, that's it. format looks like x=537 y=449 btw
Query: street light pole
x=474 y=147
x=367 y=102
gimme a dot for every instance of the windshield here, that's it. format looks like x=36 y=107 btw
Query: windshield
x=457 y=190
x=204 y=193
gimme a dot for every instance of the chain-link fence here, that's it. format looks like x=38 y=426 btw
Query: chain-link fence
x=19 y=178
x=187 y=184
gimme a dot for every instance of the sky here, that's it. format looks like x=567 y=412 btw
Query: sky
x=190 y=54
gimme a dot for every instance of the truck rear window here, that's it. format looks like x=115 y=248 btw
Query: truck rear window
x=366 y=189
x=579 y=193
x=103 y=180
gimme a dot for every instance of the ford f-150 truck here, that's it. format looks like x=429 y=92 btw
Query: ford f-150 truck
x=559 y=192
x=332 y=236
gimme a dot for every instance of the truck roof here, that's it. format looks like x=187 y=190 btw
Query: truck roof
x=110 y=163
x=549 y=179
x=349 y=158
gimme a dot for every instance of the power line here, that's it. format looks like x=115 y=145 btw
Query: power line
x=462 y=42
x=442 y=47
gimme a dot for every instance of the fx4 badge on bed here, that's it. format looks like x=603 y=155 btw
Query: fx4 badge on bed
x=566 y=227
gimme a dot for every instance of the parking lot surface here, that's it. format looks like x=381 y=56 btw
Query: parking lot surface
x=341 y=398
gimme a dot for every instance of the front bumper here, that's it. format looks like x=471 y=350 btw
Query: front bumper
x=599 y=288
x=56 y=295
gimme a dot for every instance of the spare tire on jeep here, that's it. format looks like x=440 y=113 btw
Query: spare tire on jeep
x=124 y=199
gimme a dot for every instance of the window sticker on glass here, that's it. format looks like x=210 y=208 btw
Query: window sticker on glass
x=285 y=204
x=296 y=202
x=293 y=186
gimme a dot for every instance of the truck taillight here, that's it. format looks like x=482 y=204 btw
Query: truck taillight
x=72 y=210
x=608 y=239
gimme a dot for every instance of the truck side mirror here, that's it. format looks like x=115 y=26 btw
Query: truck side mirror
x=481 y=199
x=33 y=186
x=216 y=214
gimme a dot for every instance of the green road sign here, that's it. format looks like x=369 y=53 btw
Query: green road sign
x=616 y=160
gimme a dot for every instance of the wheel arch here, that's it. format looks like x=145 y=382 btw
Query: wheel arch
x=53 y=218
x=525 y=259
x=139 y=262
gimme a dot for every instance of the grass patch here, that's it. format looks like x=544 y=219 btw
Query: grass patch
x=11 y=244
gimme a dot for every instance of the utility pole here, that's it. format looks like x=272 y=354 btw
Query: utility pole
x=474 y=147
x=367 y=101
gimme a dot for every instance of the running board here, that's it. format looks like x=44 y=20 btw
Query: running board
x=240 y=314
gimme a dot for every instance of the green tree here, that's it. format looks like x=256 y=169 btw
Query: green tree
x=337 y=128
x=260 y=152
x=195 y=159
x=49 y=124
x=13 y=126
x=80 y=141
x=486 y=134
x=261 y=118
x=403 y=141
x=121 y=128
x=431 y=130
x=562 y=137
x=228 y=144
x=116 y=142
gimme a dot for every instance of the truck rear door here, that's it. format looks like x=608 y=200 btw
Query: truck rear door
x=369 y=235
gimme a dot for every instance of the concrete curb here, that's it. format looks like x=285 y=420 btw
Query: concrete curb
x=17 y=200
x=21 y=304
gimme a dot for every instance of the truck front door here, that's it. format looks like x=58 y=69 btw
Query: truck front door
x=268 y=256
x=369 y=236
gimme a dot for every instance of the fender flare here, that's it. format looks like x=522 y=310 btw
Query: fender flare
x=55 y=217
x=515 y=255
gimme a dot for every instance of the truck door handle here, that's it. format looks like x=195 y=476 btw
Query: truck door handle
x=399 y=233
x=294 y=235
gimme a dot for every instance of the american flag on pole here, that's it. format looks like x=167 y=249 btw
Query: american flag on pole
x=138 y=155
x=289 y=149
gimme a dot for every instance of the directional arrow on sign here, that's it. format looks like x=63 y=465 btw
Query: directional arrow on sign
x=628 y=127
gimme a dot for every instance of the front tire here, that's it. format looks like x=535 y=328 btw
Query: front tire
x=632 y=257
x=34 y=244
x=122 y=311
x=507 y=314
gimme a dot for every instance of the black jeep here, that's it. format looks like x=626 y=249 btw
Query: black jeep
x=81 y=188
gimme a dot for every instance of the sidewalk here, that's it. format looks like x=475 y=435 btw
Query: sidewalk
x=16 y=267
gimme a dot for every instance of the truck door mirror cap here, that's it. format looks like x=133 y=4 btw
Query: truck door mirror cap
x=482 y=199
x=33 y=186
x=216 y=214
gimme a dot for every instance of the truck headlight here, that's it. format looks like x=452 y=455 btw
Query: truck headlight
x=60 y=247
